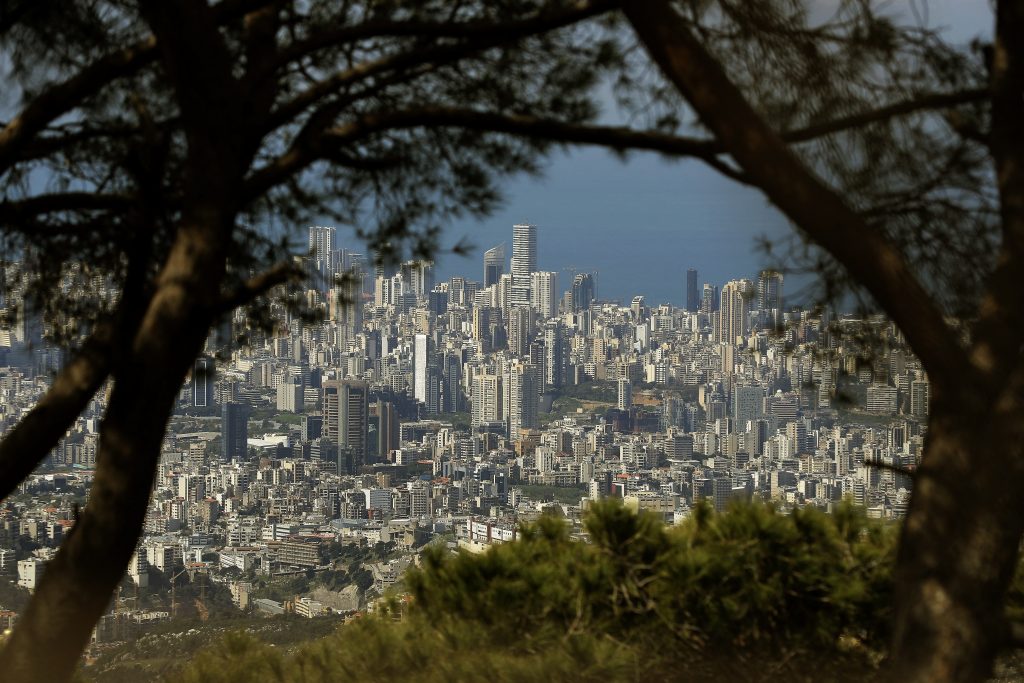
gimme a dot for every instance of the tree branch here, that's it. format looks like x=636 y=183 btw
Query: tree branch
x=299 y=157
x=60 y=202
x=891 y=467
x=999 y=331
x=493 y=32
x=329 y=143
x=65 y=96
x=813 y=206
x=41 y=428
x=403 y=62
x=923 y=102
x=260 y=285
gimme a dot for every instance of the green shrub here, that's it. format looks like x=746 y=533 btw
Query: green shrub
x=747 y=595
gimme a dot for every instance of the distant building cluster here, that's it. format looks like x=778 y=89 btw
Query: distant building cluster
x=418 y=411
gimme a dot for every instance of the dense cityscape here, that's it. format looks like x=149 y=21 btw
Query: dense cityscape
x=304 y=471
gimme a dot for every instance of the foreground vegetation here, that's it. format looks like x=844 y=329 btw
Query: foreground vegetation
x=747 y=595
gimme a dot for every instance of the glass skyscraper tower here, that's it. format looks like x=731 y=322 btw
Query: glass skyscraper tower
x=524 y=261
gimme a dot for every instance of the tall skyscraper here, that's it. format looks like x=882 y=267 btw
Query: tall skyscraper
x=418 y=277
x=322 y=241
x=524 y=261
x=330 y=428
x=290 y=396
x=422 y=359
x=692 y=293
x=345 y=308
x=625 y=394
x=494 y=265
x=347 y=421
x=584 y=291
x=355 y=264
x=556 y=354
x=709 y=298
x=481 y=325
x=202 y=382
x=519 y=331
x=451 y=380
x=524 y=398
x=919 y=395
x=733 y=313
x=234 y=431
x=322 y=248
x=769 y=297
x=487 y=404
x=388 y=431
x=544 y=293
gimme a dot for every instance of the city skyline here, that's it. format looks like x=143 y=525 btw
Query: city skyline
x=217 y=411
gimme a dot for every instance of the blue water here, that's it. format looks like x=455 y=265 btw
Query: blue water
x=640 y=224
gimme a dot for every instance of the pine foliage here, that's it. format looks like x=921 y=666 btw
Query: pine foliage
x=751 y=594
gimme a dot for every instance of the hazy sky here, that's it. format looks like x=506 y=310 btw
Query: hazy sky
x=643 y=222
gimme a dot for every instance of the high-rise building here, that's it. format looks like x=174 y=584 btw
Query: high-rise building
x=544 y=293
x=423 y=360
x=234 y=431
x=584 y=291
x=322 y=248
x=524 y=261
x=882 y=398
x=692 y=293
x=625 y=394
x=347 y=421
x=556 y=354
x=457 y=291
x=494 y=265
x=709 y=298
x=520 y=325
x=487 y=403
x=332 y=410
x=482 y=316
x=797 y=433
x=437 y=301
x=524 y=398
x=388 y=430
x=345 y=308
x=451 y=383
x=733 y=313
x=638 y=308
x=203 y=373
x=290 y=396
x=355 y=265
x=312 y=427
x=418 y=277
x=919 y=395
x=747 y=405
x=769 y=297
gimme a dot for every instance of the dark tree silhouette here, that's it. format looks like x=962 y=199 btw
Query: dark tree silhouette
x=960 y=542
x=157 y=149
x=155 y=141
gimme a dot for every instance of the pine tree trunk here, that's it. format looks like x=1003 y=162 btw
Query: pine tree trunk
x=959 y=545
x=79 y=582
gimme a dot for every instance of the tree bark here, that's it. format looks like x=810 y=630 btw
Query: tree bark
x=41 y=429
x=78 y=583
x=958 y=549
x=959 y=545
x=817 y=209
